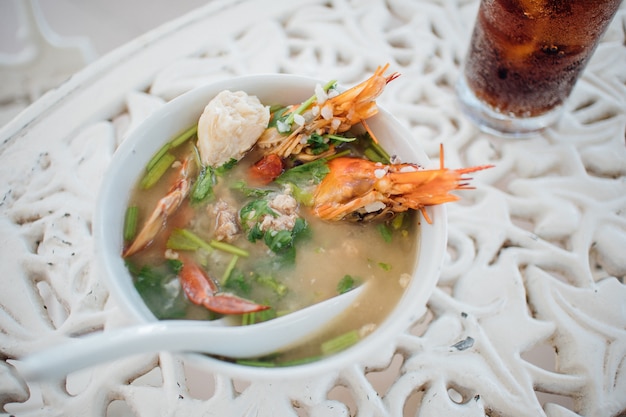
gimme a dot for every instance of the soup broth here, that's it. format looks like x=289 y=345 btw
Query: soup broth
x=326 y=258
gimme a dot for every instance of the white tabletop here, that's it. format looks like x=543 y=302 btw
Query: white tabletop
x=533 y=284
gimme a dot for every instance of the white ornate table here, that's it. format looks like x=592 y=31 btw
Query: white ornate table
x=529 y=316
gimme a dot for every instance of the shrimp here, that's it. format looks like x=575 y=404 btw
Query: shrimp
x=322 y=116
x=200 y=289
x=359 y=189
x=165 y=207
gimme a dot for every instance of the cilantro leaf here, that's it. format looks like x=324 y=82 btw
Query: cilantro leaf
x=317 y=144
x=203 y=187
x=242 y=187
x=161 y=292
x=346 y=283
x=310 y=173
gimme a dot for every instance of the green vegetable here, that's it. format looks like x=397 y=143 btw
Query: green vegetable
x=278 y=113
x=282 y=240
x=251 y=213
x=340 y=343
x=259 y=363
x=338 y=155
x=373 y=151
x=257 y=317
x=301 y=229
x=221 y=170
x=306 y=104
x=272 y=362
x=130 y=222
x=183 y=239
x=255 y=233
x=183 y=137
x=346 y=284
x=237 y=282
x=177 y=141
x=242 y=187
x=318 y=144
x=384 y=266
x=275 y=108
x=279 y=240
x=157 y=157
x=161 y=291
x=270 y=282
x=175 y=265
x=285 y=258
x=303 y=197
x=310 y=173
x=157 y=170
x=229 y=269
x=203 y=187
x=336 y=139
x=301 y=361
x=385 y=232
x=227 y=247
x=398 y=220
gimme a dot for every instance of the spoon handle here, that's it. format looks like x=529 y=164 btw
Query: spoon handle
x=186 y=336
x=91 y=350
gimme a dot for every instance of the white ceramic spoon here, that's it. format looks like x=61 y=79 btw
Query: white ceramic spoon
x=214 y=337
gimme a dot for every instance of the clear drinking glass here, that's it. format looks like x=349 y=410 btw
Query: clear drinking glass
x=524 y=59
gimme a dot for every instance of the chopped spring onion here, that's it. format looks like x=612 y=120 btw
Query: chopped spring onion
x=157 y=157
x=337 y=155
x=259 y=363
x=270 y=282
x=345 y=284
x=372 y=155
x=305 y=105
x=398 y=220
x=340 y=343
x=271 y=363
x=340 y=138
x=376 y=153
x=183 y=137
x=385 y=232
x=384 y=266
x=183 y=239
x=227 y=247
x=157 y=170
x=130 y=222
x=301 y=361
x=177 y=141
x=257 y=317
x=229 y=268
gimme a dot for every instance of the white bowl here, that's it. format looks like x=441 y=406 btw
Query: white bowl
x=132 y=156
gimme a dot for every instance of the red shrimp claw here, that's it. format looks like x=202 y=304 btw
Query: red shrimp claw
x=202 y=290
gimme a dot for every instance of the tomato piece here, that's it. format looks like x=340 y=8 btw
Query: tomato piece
x=267 y=169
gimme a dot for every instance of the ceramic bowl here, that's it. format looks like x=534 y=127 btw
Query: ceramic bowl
x=133 y=154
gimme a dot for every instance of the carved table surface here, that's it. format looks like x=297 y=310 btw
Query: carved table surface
x=529 y=315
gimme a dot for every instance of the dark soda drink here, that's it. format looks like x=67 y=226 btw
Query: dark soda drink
x=526 y=55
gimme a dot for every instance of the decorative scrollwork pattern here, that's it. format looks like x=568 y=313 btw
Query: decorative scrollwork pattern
x=528 y=317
